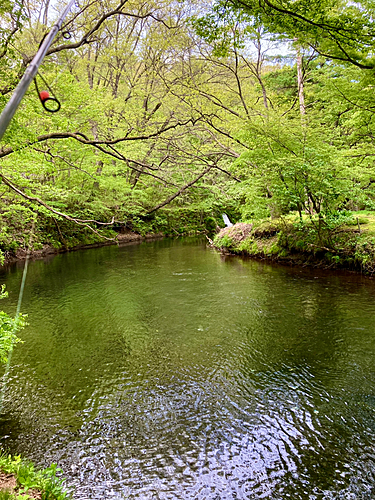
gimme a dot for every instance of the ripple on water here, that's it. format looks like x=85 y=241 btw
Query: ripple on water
x=155 y=372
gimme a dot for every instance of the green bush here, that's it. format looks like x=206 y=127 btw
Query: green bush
x=223 y=241
x=46 y=481
x=8 y=328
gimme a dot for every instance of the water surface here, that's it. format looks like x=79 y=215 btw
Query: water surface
x=163 y=371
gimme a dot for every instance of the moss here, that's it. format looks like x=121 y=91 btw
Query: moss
x=267 y=229
x=300 y=245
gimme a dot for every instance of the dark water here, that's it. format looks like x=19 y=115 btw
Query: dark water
x=162 y=371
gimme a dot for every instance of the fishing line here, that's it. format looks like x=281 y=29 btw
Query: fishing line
x=5 y=118
x=61 y=71
x=19 y=303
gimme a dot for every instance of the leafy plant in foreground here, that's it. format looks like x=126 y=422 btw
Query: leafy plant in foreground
x=8 y=328
x=45 y=481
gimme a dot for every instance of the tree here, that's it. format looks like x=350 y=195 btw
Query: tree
x=123 y=144
x=337 y=29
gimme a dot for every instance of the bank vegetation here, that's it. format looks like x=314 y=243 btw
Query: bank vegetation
x=347 y=243
x=173 y=113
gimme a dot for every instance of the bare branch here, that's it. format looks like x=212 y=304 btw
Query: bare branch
x=83 y=139
x=80 y=222
x=181 y=190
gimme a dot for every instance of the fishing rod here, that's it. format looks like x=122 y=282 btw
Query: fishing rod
x=30 y=73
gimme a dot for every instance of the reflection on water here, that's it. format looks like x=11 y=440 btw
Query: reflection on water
x=163 y=371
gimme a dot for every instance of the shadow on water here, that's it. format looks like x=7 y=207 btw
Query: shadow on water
x=163 y=371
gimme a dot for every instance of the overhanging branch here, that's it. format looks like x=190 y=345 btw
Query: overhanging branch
x=181 y=190
x=81 y=222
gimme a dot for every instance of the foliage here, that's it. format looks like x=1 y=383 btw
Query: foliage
x=224 y=241
x=164 y=125
x=340 y=30
x=339 y=241
x=8 y=328
x=46 y=481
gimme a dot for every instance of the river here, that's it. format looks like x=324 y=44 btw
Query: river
x=164 y=371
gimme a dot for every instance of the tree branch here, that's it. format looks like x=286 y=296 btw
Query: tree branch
x=83 y=139
x=80 y=222
x=181 y=190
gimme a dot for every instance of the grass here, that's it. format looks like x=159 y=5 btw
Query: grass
x=366 y=220
x=31 y=483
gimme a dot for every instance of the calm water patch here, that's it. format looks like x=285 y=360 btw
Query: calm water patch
x=163 y=371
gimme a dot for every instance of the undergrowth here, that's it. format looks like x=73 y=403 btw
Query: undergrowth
x=22 y=227
x=345 y=240
x=47 y=481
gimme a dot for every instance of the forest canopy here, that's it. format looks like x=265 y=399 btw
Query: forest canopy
x=172 y=113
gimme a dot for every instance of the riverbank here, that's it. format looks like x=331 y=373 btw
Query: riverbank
x=348 y=243
x=40 y=253
x=19 y=480
x=45 y=235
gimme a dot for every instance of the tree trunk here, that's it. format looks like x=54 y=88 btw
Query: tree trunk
x=301 y=95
